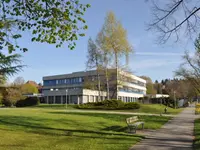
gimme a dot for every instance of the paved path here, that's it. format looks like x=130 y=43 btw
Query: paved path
x=177 y=134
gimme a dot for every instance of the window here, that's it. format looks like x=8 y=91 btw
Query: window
x=80 y=80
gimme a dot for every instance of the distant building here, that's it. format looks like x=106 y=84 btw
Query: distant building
x=82 y=87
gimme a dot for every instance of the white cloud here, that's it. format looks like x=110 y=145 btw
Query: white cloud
x=153 y=63
x=158 y=54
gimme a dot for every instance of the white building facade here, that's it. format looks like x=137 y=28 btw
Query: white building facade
x=81 y=87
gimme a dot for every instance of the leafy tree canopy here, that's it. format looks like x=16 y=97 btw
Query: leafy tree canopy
x=50 y=21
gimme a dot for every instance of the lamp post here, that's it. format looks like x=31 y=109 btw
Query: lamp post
x=175 y=99
x=66 y=98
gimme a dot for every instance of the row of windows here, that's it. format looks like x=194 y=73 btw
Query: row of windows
x=133 y=81
x=131 y=90
x=63 y=81
x=128 y=99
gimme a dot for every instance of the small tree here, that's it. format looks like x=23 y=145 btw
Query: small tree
x=11 y=95
x=28 y=88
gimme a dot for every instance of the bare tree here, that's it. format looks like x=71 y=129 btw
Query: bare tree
x=175 y=18
x=190 y=69
x=19 y=81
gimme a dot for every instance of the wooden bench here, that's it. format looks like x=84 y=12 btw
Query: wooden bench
x=133 y=123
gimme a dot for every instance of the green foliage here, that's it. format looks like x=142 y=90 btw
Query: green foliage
x=110 y=105
x=113 y=40
x=28 y=88
x=9 y=65
x=10 y=96
x=29 y=101
x=113 y=104
x=52 y=22
x=132 y=105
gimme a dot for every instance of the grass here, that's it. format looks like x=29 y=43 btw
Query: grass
x=56 y=106
x=145 y=108
x=197 y=134
x=155 y=109
x=52 y=129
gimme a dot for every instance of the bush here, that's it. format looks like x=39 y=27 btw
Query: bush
x=113 y=104
x=132 y=105
x=197 y=109
x=29 y=101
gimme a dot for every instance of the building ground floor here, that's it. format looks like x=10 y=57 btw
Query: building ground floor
x=78 y=96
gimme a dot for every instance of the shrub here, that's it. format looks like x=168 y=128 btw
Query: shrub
x=132 y=105
x=113 y=104
x=10 y=96
x=30 y=101
x=197 y=109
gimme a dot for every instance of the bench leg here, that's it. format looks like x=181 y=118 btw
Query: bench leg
x=135 y=128
x=143 y=126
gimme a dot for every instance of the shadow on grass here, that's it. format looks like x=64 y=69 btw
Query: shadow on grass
x=33 y=125
x=119 y=117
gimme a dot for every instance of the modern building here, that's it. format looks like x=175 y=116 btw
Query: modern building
x=82 y=87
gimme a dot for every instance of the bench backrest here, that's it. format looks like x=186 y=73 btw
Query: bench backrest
x=131 y=119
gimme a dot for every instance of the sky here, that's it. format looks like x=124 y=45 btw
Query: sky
x=149 y=59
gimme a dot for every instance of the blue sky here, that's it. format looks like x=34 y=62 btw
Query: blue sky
x=150 y=59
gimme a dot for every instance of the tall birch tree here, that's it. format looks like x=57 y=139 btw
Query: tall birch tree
x=114 y=42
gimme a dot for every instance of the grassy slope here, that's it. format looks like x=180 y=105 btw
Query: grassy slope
x=155 y=109
x=197 y=134
x=42 y=129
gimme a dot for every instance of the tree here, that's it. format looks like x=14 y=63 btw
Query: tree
x=28 y=88
x=52 y=22
x=166 y=23
x=19 y=81
x=9 y=65
x=190 y=68
x=112 y=39
x=11 y=95
x=94 y=60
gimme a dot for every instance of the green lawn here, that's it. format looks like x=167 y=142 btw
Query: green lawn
x=145 y=108
x=197 y=134
x=155 y=109
x=52 y=129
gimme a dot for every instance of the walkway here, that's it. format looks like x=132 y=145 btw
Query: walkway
x=177 y=134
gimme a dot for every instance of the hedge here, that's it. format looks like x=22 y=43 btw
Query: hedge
x=112 y=104
x=29 y=101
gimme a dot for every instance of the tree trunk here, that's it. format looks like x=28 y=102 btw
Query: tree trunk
x=116 y=65
x=107 y=84
x=99 y=85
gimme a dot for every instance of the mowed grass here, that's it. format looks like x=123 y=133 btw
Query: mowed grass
x=51 y=129
x=197 y=134
x=155 y=109
x=144 y=108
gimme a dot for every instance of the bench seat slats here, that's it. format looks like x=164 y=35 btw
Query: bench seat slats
x=133 y=123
